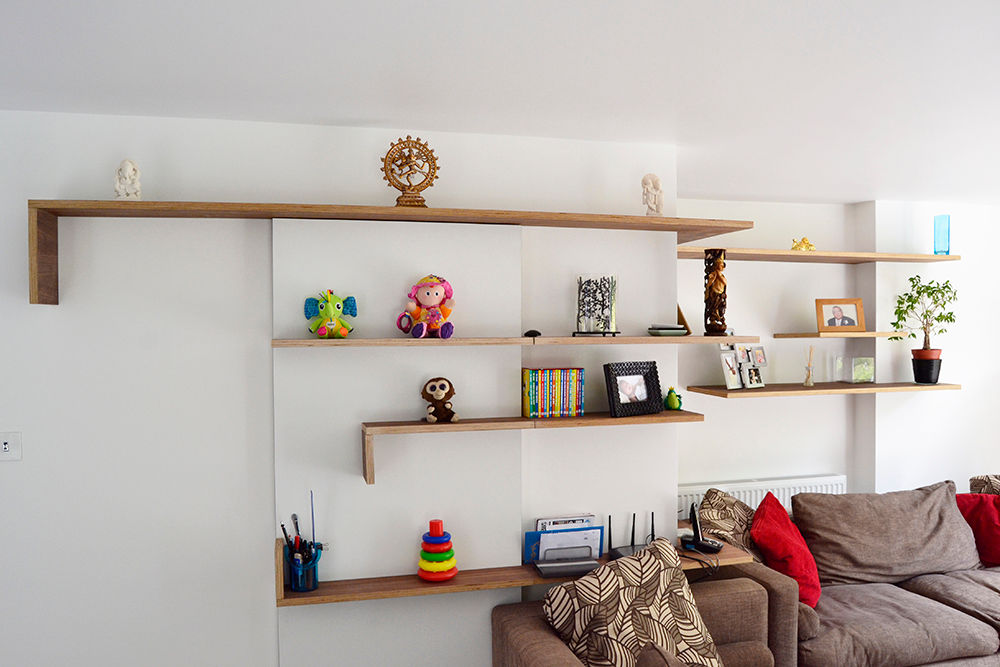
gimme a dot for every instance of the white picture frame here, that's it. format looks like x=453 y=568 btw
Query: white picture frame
x=751 y=377
x=731 y=369
x=758 y=357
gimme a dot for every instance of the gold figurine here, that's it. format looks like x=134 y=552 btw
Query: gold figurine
x=804 y=244
x=410 y=167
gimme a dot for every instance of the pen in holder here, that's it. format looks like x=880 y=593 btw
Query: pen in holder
x=301 y=571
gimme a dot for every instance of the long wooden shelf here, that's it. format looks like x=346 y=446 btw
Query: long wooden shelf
x=837 y=334
x=410 y=585
x=370 y=429
x=819 y=389
x=44 y=214
x=815 y=257
x=405 y=341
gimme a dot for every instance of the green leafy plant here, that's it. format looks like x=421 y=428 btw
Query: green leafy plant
x=924 y=308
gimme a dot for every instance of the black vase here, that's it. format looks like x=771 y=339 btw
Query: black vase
x=926 y=371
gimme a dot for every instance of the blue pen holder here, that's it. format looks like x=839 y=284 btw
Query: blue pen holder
x=302 y=577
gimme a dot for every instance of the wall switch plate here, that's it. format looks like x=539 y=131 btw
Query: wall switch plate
x=10 y=446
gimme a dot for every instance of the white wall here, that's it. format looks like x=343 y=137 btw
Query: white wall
x=754 y=438
x=145 y=396
x=939 y=435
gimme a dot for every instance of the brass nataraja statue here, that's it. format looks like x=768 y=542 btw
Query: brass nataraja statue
x=715 y=292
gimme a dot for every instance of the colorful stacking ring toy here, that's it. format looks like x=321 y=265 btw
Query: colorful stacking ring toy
x=437 y=557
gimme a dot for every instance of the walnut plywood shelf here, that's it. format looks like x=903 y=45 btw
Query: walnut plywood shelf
x=410 y=585
x=837 y=334
x=406 y=341
x=370 y=429
x=819 y=389
x=814 y=257
x=43 y=223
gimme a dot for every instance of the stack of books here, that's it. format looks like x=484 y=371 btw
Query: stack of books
x=551 y=392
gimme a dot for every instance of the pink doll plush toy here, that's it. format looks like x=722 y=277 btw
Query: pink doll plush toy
x=428 y=310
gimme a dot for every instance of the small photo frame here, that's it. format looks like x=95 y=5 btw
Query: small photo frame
x=758 y=357
x=633 y=388
x=731 y=370
x=742 y=353
x=840 y=315
x=752 y=379
x=725 y=346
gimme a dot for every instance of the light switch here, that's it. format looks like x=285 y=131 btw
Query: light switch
x=10 y=446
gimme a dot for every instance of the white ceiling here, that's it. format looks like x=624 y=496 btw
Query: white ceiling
x=827 y=100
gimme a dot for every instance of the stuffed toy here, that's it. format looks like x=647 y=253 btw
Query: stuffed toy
x=429 y=308
x=438 y=392
x=326 y=315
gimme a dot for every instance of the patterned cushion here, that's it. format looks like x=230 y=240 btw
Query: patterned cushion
x=985 y=484
x=608 y=616
x=729 y=519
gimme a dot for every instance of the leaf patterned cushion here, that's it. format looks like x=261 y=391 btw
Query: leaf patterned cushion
x=608 y=616
x=728 y=519
x=985 y=484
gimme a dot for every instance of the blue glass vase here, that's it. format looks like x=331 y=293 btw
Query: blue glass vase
x=942 y=234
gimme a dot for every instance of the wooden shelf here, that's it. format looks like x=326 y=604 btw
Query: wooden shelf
x=405 y=341
x=820 y=388
x=43 y=219
x=370 y=429
x=410 y=585
x=815 y=257
x=837 y=334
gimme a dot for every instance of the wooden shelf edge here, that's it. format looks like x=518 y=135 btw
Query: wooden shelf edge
x=837 y=334
x=410 y=585
x=546 y=340
x=370 y=429
x=815 y=257
x=820 y=389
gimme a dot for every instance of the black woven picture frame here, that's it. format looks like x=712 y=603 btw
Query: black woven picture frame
x=625 y=398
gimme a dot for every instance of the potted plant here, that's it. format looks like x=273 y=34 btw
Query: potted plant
x=925 y=308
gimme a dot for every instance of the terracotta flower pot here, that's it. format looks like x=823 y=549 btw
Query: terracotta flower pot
x=926 y=354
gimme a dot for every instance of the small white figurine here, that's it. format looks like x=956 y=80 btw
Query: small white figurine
x=127 y=184
x=652 y=195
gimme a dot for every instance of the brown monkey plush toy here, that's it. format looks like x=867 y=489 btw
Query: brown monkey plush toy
x=438 y=392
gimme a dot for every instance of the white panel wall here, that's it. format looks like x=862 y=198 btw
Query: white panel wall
x=145 y=397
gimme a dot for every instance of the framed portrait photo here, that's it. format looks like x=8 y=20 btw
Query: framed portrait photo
x=752 y=379
x=731 y=370
x=633 y=388
x=840 y=315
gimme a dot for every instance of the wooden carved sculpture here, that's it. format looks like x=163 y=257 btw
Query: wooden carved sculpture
x=411 y=167
x=715 y=292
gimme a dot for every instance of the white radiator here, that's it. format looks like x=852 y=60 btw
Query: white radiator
x=752 y=491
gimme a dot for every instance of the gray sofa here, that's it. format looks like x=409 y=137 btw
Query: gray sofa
x=901 y=583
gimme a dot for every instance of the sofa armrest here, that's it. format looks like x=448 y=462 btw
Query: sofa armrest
x=734 y=610
x=782 y=608
x=523 y=638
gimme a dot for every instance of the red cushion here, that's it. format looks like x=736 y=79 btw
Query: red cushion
x=982 y=512
x=783 y=548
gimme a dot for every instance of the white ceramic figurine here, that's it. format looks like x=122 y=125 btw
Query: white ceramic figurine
x=652 y=195
x=127 y=184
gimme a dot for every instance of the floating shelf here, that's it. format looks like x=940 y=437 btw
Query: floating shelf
x=410 y=585
x=820 y=388
x=814 y=257
x=837 y=334
x=405 y=341
x=43 y=227
x=370 y=429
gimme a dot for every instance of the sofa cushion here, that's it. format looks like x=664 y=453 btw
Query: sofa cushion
x=808 y=622
x=882 y=625
x=609 y=615
x=889 y=537
x=985 y=484
x=737 y=654
x=729 y=519
x=783 y=548
x=974 y=592
x=982 y=513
